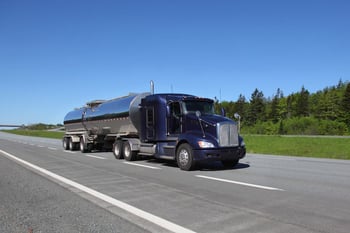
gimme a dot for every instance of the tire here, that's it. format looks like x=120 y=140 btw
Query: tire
x=229 y=163
x=71 y=145
x=65 y=143
x=129 y=155
x=83 y=146
x=118 y=149
x=184 y=157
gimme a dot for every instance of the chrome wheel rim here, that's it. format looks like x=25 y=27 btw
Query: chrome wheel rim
x=126 y=152
x=81 y=145
x=116 y=150
x=183 y=157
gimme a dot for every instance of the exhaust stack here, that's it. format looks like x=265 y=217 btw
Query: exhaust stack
x=152 y=87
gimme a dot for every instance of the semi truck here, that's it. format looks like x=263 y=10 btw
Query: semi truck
x=178 y=127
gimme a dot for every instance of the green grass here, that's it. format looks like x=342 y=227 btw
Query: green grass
x=37 y=133
x=318 y=147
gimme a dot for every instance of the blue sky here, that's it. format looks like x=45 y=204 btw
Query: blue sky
x=59 y=54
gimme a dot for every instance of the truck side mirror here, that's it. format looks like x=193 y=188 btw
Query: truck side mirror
x=223 y=112
x=238 y=117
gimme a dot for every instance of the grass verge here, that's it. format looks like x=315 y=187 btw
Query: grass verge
x=37 y=133
x=318 y=147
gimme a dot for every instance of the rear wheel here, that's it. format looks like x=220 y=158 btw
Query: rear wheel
x=184 y=157
x=84 y=148
x=65 y=143
x=128 y=153
x=118 y=149
x=71 y=144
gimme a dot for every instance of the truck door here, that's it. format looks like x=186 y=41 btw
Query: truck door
x=174 y=120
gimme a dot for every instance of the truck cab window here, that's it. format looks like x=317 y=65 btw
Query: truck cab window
x=203 y=106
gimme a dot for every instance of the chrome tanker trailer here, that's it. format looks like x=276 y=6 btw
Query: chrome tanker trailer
x=178 y=127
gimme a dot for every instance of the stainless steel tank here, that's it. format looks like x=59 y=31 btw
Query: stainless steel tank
x=116 y=116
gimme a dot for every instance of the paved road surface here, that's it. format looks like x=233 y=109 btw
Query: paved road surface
x=47 y=189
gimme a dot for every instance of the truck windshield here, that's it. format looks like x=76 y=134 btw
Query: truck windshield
x=203 y=106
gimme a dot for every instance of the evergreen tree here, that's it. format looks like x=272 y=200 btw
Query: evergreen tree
x=256 y=108
x=241 y=106
x=328 y=105
x=282 y=108
x=228 y=108
x=291 y=109
x=281 y=129
x=325 y=112
x=346 y=105
x=314 y=102
x=274 y=113
x=302 y=107
x=340 y=84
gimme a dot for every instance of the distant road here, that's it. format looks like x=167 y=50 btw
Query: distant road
x=10 y=126
x=264 y=193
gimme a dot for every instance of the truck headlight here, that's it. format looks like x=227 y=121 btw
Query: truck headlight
x=204 y=144
x=242 y=143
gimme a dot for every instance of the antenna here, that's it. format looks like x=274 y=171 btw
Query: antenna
x=152 y=87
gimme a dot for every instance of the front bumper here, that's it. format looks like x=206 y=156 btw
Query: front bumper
x=227 y=153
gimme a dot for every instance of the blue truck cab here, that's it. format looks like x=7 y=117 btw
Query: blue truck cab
x=185 y=128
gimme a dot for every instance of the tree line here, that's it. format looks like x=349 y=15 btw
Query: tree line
x=326 y=112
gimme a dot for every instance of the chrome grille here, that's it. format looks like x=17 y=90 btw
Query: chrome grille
x=228 y=134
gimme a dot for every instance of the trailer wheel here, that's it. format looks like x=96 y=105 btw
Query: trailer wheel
x=128 y=153
x=118 y=149
x=84 y=148
x=65 y=143
x=184 y=157
x=71 y=144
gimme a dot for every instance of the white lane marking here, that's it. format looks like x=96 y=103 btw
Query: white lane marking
x=70 y=152
x=87 y=155
x=93 y=156
x=131 y=209
x=275 y=158
x=141 y=165
x=52 y=148
x=241 y=183
x=40 y=146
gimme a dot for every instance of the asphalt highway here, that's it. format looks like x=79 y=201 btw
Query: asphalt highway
x=46 y=189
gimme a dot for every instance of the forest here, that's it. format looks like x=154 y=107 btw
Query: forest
x=326 y=112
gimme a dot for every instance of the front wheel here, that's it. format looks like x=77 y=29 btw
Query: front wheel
x=184 y=157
